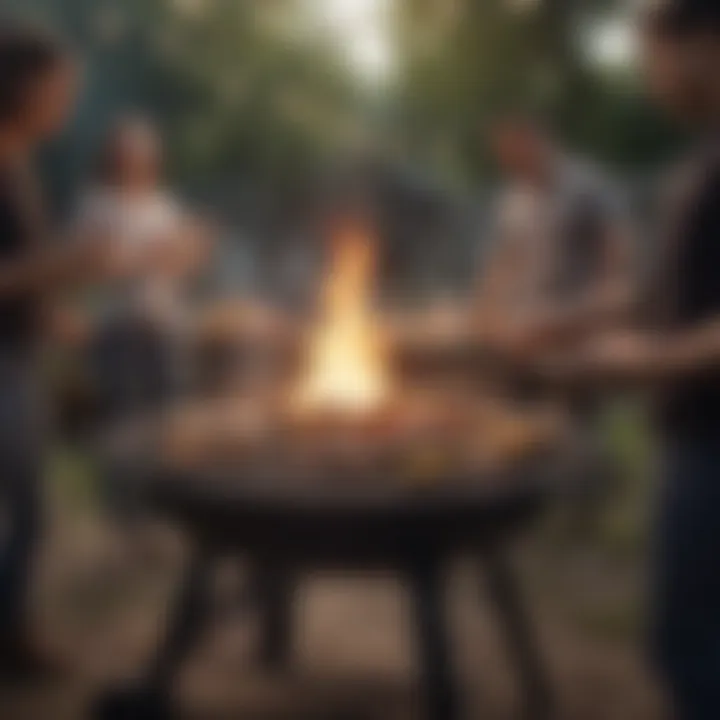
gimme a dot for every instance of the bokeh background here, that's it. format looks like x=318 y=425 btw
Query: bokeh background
x=260 y=103
x=259 y=100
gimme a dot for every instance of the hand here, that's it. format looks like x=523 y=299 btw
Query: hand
x=624 y=357
x=111 y=261
x=82 y=263
x=520 y=339
x=117 y=260
x=626 y=354
x=69 y=327
x=183 y=252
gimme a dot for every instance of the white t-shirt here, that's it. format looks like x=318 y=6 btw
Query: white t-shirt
x=133 y=223
x=555 y=236
x=522 y=229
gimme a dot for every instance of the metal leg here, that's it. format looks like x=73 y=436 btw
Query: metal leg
x=438 y=681
x=505 y=594
x=275 y=593
x=151 y=698
x=187 y=623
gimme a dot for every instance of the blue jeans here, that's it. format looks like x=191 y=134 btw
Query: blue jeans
x=687 y=577
x=21 y=460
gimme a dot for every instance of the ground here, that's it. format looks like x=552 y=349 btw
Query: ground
x=104 y=604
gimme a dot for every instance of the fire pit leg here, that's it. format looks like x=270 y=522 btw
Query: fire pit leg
x=438 y=681
x=506 y=596
x=275 y=592
x=187 y=622
x=150 y=699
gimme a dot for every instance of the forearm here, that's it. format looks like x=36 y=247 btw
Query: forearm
x=495 y=293
x=609 y=302
x=645 y=358
x=694 y=350
x=28 y=275
x=611 y=307
x=49 y=270
x=193 y=245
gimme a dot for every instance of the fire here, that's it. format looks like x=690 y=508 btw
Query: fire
x=346 y=367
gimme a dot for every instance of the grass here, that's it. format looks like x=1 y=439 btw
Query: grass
x=73 y=478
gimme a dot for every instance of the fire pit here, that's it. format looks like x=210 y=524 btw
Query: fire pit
x=411 y=511
x=345 y=469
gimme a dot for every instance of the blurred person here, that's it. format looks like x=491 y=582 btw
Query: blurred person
x=558 y=266
x=675 y=350
x=140 y=345
x=38 y=85
x=559 y=270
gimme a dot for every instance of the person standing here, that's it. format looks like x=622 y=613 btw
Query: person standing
x=38 y=85
x=558 y=269
x=141 y=341
x=675 y=350
x=558 y=264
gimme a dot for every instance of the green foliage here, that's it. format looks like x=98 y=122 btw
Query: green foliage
x=234 y=87
x=245 y=89
x=483 y=56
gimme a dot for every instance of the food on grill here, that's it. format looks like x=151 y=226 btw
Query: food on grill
x=416 y=441
x=241 y=319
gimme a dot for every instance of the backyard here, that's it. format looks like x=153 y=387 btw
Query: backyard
x=105 y=604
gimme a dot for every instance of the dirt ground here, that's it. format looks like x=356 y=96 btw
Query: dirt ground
x=104 y=605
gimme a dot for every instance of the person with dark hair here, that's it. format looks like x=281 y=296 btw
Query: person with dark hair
x=675 y=348
x=38 y=84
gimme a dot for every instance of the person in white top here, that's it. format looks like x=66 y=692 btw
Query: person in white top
x=560 y=263
x=558 y=272
x=155 y=247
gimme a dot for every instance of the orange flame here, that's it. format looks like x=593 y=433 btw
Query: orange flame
x=346 y=369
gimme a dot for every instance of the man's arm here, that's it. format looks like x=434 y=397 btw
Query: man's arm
x=693 y=350
x=187 y=250
x=498 y=281
x=607 y=303
x=639 y=358
x=682 y=353
x=47 y=270
x=495 y=282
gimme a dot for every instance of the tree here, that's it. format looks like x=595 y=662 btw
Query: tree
x=236 y=89
x=464 y=60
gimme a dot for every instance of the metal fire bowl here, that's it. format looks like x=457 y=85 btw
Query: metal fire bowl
x=336 y=526
x=369 y=513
